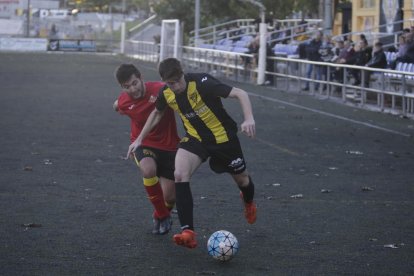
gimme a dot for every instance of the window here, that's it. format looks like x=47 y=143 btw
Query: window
x=368 y=4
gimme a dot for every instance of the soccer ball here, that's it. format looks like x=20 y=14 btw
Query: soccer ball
x=222 y=245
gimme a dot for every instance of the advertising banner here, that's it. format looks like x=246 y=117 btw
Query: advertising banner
x=72 y=45
x=23 y=44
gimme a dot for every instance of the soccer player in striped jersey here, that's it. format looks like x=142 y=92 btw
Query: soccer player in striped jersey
x=210 y=133
x=156 y=153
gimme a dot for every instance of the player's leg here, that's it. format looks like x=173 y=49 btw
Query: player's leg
x=186 y=163
x=228 y=157
x=148 y=168
x=168 y=189
x=165 y=169
x=246 y=186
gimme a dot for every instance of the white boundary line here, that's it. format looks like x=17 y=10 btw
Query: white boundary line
x=330 y=115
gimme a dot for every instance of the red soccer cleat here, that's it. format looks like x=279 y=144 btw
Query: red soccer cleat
x=186 y=239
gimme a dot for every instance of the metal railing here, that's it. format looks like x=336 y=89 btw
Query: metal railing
x=388 y=91
x=212 y=34
x=142 y=50
x=291 y=23
x=388 y=37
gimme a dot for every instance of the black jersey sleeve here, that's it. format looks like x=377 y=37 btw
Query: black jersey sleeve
x=212 y=86
x=161 y=103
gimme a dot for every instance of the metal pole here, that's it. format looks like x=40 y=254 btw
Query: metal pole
x=328 y=17
x=262 y=54
x=261 y=68
x=28 y=19
x=123 y=32
x=197 y=23
x=123 y=6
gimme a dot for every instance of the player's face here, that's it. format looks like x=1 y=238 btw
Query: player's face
x=178 y=85
x=134 y=87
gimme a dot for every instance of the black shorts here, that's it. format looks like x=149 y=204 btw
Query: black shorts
x=224 y=157
x=164 y=160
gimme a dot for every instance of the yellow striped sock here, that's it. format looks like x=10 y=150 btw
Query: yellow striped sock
x=150 y=181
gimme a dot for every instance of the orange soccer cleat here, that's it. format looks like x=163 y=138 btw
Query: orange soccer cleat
x=186 y=238
x=250 y=210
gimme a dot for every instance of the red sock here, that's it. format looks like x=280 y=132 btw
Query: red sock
x=155 y=195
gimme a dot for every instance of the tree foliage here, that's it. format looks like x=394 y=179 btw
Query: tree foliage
x=217 y=11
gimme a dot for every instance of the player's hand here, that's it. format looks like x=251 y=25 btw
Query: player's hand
x=115 y=106
x=249 y=128
x=132 y=148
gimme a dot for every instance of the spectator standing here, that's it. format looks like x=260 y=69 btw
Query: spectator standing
x=254 y=49
x=402 y=46
x=345 y=57
x=339 y=45
x=53 y=33
x=361 y=57
x=312 y=54
x=326 y=52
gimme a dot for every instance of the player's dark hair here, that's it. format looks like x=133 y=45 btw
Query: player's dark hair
x=170 y=69
x=125 y=71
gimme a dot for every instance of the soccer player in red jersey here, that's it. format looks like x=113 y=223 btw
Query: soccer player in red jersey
x=155 y=156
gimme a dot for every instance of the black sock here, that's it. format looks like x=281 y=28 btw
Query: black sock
x=248 y=191
x=184 y=203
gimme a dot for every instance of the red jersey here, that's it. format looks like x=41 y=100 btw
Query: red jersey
x=164 y=135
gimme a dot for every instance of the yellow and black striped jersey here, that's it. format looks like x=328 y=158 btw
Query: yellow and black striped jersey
x=201 y=109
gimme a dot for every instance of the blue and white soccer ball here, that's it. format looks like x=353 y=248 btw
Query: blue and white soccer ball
x=222 y=245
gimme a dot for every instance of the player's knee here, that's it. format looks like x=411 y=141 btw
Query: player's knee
x=148 y=172
x=242 y=180
x=181 y=176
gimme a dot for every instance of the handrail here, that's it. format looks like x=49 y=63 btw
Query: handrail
x=371 y=30
x=210 y=32
x=292 y=35
x=152 y=17
x=347 y=66
x=249 y=20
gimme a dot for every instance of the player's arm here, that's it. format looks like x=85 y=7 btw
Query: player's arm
x=248 y=126
x=153 y=119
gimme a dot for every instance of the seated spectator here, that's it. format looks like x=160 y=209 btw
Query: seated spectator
x=402 y=50
x=378 y=60
x=300 y=34
x=250 y=63
x=408 y=56
x=278 y=34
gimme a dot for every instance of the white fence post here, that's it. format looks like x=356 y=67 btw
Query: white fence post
x=262 y=54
